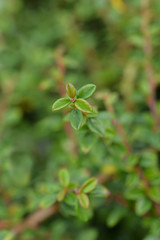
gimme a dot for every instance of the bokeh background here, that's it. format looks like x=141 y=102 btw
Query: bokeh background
x=44 y=45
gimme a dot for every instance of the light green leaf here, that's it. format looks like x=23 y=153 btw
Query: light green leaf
x=76 y=119
x=83 y=200
x=86 y=91
x=89 y=185
x=60 y=103
x=83 y=105
x=64 y=177
x=142 y=206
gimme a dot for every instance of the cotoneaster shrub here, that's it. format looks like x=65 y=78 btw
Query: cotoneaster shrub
x=91 y=170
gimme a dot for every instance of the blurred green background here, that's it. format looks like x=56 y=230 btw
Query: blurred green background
x=44 y=45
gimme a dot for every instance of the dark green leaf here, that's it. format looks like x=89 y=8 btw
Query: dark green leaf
x=71 y=199
x=95 y=126
x=83 y=214
x=115 y=216
x=76 y=119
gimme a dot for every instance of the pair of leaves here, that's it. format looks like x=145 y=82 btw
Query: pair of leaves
x=83 y=93
x=80 y=104
x=87 y=187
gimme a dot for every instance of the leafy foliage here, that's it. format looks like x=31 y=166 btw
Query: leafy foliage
x=91 y=170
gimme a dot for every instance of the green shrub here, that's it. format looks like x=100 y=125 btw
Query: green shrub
x=90 y=170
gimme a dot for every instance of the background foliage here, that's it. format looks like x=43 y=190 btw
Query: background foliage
x=114 y=45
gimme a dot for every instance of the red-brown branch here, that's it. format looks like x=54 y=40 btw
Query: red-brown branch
x=149 y=70
x=35 y=219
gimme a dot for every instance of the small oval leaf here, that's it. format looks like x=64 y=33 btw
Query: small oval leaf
x=76 y=119
x=60 y=103
x=71 y=91
x=86 y=91
x=89 y=185
x=142 y=206
x=83 y=200
x=83 y=105
x=64 y=177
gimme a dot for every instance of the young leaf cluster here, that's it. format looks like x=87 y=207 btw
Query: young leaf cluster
x=79 y=106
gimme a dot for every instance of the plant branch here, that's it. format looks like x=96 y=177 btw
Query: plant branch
x=35 y=218
x=61 y=88
x=149 y=70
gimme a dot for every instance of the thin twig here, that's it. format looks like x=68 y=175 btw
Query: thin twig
x=61 y=87
x=35 y=218
x=149 y=70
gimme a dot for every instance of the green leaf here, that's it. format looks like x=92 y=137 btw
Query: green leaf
x=48 y=200
x=76 y=119
x=100 y=191
x=67 y=210
x=61 y=195
x=142 y=206
x=154 y=193
x=71 y=199
x=60 y=103
x=83 y=200
x=96 y=127
x=83 y=214
x=83 y=105
x=93 y=114
x=71 y=91
x=87 y=140
x=86 y=91
x=133 y=194
x=64 y=177
x=115 y=216
x=89 y=185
